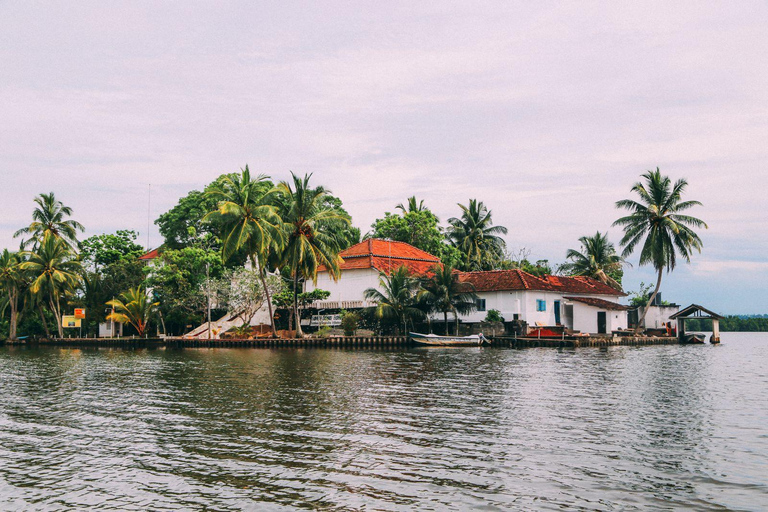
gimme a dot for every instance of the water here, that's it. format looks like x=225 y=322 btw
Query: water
x=665 y=427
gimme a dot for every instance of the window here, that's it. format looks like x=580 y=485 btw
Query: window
x=480 y=304
x=541 y=305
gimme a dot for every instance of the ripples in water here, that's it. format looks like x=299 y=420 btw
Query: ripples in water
x=435 y=429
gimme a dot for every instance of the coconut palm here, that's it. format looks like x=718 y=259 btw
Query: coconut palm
x=12 y=285
x=314 y=233
x=49 y=218
x=250 y=222
x=657 y=224
x=412 y=206
x=54 y=272
x=133 y=307
x=443 y=292
x=476 y=237
x=597 y=259
x=397 y=298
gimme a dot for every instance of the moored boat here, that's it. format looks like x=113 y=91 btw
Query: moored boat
x=693 y=338
x=446 y=341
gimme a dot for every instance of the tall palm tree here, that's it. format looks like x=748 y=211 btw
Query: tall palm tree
x=443 y=292
x=49 y=218
x=250 y=222
x=657 y=221
x=134 y=307
x=597 y=259
x=412 y=205
x=54 y=272
x=476 y=237
x=397 y=298
x=314 y=233
x=12 y=284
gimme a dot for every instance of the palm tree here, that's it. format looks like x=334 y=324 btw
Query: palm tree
x=412 y=206
x=657 y=221
x=314 y=231
x=398 y=297
x=443 y=292
x=12 y=283
x=476 y=237
x=54 y=272
x=48 y=218
x=597 y=259
x=250 y=222
x=135 y=308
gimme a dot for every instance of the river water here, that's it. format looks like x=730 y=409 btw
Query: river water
x=626 y=428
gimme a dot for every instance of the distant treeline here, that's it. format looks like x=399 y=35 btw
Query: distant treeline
x=731 y=323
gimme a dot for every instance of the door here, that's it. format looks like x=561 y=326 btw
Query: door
x=557 y=312
x=601 y=322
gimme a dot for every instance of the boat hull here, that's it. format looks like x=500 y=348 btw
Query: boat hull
x=446 y=341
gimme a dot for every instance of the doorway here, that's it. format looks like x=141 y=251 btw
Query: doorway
x=601 y=322
x=557 y=312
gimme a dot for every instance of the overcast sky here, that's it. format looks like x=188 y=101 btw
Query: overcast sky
x=547 y=114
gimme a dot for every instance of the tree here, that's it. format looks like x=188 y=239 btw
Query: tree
x=397 y=298
x=418 y=228
x=134 y=307
x=54 y=272
x=494 y=315
x=243 y=292
x=476 y=237
x=657 y=221
x=49 y=218
x=284 y=300
x=101 y=250
x=250 y=223
x=443 y=292
x=12 y=284
x=314 y=233
x=412 y=206
x=597 y=259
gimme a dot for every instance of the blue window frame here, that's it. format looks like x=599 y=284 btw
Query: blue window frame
x=481 y=304
x=541 y=305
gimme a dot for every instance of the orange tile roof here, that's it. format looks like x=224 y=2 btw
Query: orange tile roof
x=385 y=256
x=151 y=255
x=600 y=303
x=516 y=279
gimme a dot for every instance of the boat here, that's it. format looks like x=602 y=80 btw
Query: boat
x=693 y=338
x=448 y=341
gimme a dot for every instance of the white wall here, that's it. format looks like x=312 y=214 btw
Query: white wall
x=658 y=315
x=349 y=289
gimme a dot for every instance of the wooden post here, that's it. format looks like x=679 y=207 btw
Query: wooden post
x=681 y=328
x=715 y=331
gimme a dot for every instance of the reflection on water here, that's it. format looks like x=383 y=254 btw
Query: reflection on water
x=229 y=429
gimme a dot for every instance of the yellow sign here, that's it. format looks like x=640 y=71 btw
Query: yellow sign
x=80 y=313
x=69 y=321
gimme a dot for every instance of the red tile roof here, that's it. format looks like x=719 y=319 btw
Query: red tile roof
x=385 y=256
x=600 y=303
x=151 y=255
x=510 y=280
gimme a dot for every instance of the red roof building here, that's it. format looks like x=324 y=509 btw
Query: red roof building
x=519 y=280
x=386 y=256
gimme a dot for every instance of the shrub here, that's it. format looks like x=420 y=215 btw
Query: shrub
x=349 y=323
x=323 y=331
x=494 y=315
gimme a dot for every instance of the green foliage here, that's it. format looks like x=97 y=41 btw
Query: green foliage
x=418 y=228
x=349 y=322
x=597 y=259
x=494 y=315
x=397 y=299
x=177 y=281
x=730 y=323
x=101 y=250
x=640 y=297
x=49 y=218
x=477 y=238
x=133 y=307
x=323 y=331
x=443 y=293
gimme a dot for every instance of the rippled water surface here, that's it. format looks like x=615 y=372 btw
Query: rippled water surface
x=662 y=427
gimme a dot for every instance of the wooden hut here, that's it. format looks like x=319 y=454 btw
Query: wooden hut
x=700 y=312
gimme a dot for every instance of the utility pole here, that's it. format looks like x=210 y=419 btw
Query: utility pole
x=208 y=294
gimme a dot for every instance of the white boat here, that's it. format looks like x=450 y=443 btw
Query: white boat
x=435 y=340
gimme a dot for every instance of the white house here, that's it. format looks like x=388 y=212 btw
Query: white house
x=577 y=303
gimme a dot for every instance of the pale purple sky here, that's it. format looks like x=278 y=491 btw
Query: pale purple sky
x=548 y=114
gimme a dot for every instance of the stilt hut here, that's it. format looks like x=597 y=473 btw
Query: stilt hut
x=700 y=312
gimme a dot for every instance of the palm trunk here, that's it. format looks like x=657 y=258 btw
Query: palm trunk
x=42 y=319
x=456 y=316
x=650 y=302
x=445 y=324
x=56 y=313
x=14 y=320
x=299 y=332
x=263 y=279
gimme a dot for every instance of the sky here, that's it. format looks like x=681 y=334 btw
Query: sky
x=547 y=112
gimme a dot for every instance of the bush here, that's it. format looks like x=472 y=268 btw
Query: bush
x=349 y=322
x=494 y=315
x=323 y=331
